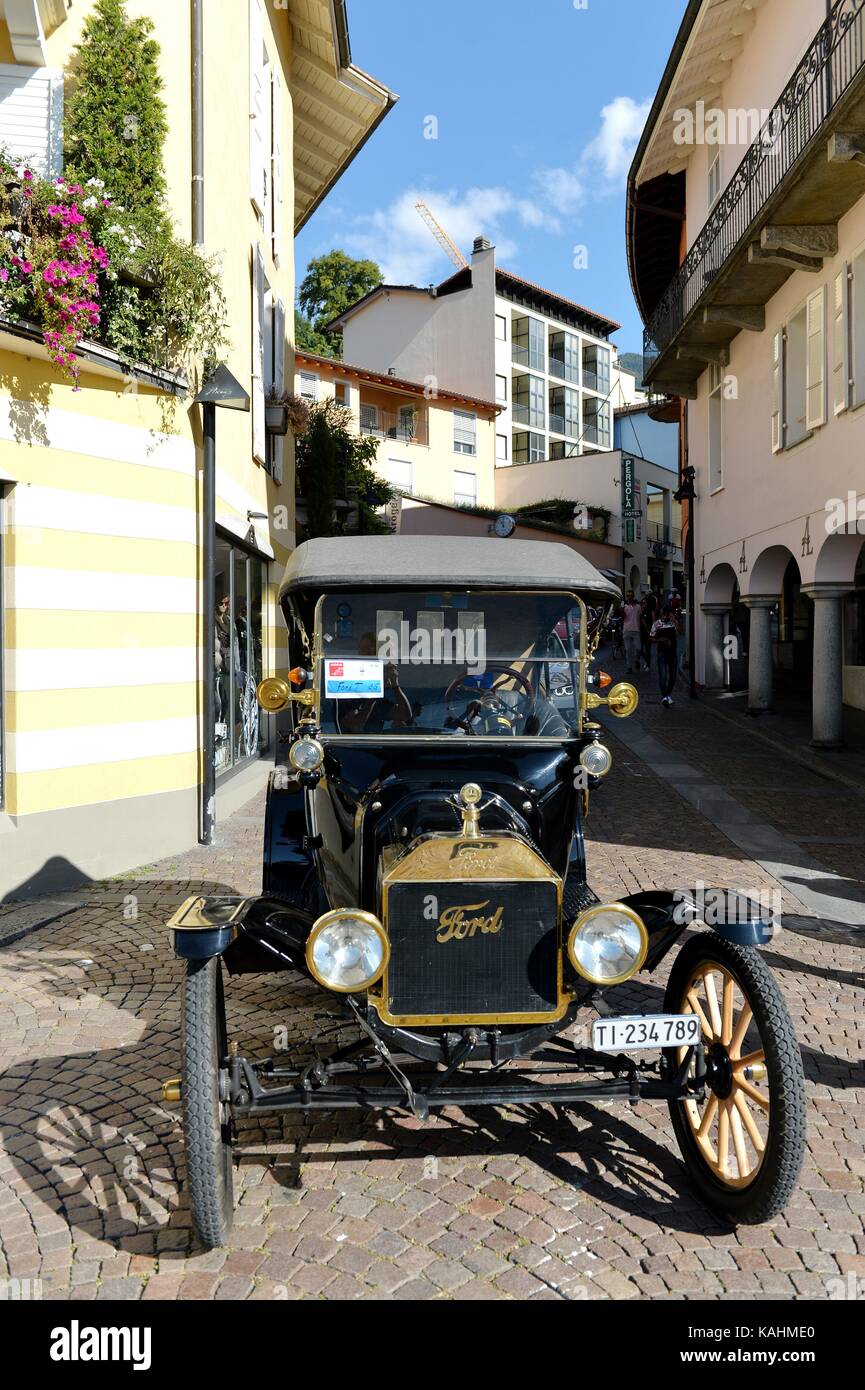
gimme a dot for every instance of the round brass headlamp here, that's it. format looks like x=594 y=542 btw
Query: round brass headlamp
x=306 y=754
x=608 y=943
x=347 y=950
x=273 y=693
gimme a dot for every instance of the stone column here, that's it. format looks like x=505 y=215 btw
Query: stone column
x=828 y=677
x=760 y=653
x=713 y=616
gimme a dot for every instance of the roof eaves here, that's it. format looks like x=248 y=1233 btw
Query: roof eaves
x=397 y=382
x=571 y=304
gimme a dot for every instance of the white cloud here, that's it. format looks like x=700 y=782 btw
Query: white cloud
x=603 y=164
x=613 y=147
x=400 y=242
x=563 y=189
x=405 y=248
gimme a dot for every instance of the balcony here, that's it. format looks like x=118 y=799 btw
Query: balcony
x=409 y=426
x=596 y=381
x=569 y=428
x=528 y=415
x=658 y=533
x=778 y=214
x=565 y=371
x=528 y=357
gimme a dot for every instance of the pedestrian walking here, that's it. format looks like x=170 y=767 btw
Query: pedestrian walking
x=665 y=636
x=632 y=632
x=648 y=613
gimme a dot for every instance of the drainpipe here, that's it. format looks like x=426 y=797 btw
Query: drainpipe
x=208 y=413
x=198 y=122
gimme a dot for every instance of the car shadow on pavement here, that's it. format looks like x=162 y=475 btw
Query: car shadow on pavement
x=91 y=1141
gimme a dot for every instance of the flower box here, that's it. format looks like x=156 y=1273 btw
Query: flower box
x=276 y=419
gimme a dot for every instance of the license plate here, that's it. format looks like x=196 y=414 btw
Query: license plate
x=645 y=1031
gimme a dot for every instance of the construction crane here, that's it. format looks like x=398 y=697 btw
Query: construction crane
x=449 y=247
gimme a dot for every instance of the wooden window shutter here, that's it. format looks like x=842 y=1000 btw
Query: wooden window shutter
x=279 y=380
x=841 y=341
x=257 y=179
x=276 y=167
x=815 y=370
x=259 y=437
x=778 y=424
x=31 y=117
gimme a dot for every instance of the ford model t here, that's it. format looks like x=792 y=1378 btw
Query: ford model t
x=424 y=866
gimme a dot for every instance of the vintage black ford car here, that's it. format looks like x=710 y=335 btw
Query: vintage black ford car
x=424 y=864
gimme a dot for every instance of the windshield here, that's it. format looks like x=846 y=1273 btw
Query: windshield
x=458 y=663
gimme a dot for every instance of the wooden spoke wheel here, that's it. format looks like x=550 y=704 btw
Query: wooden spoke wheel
x=743 y=1143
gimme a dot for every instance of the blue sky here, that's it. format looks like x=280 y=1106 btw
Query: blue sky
x=538 y=106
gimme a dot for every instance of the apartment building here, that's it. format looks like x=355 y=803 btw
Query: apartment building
x=746 y=240
x=644 y=526
x=439 y=445
x=103 y=649
x=545 y=360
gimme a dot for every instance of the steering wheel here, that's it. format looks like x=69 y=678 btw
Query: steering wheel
x=485 y=704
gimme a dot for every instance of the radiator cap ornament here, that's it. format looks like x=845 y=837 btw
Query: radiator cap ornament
x=470 y=796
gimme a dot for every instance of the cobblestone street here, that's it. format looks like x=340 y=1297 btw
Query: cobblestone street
x=515 y=1204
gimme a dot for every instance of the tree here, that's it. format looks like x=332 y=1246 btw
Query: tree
x=308 y=339
x=115 y=123
x=335 y=464
x=331 y=285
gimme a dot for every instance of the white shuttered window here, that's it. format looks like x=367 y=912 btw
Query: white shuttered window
x=857 y=327
x=778 y=430
x=815 y=370
x=259 y=439
x=276 y=166
x=258 y=112
x=279 y=382
x=31 y=116
x=841 y=341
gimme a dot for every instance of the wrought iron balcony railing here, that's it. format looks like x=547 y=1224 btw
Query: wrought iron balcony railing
x=833 y=61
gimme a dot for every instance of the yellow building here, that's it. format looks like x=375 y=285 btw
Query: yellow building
x=105 y=660
x=433 y=443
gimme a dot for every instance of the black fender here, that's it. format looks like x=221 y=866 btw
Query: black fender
x=251 y=934
x=289 y=868
x=733 y=916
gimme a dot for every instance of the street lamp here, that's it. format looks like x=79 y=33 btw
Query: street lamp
x=224 y=391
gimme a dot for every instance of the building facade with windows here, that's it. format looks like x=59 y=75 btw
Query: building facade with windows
x=103 y=650
x=746 y=239
x=439 y=446
x=546 y=361
x=648 y=544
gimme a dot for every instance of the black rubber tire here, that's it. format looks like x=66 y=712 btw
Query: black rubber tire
x=206 y=1123
x=778 y=1174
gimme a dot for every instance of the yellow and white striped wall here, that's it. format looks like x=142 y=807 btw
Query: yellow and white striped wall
x=102 y=600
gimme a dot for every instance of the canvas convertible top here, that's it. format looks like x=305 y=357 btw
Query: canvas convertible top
x=403 y=562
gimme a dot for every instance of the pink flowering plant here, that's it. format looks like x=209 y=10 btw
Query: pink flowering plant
x=52 y=260
x=73 y=263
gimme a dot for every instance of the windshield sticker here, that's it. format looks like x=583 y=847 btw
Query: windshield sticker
x=345 y=679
